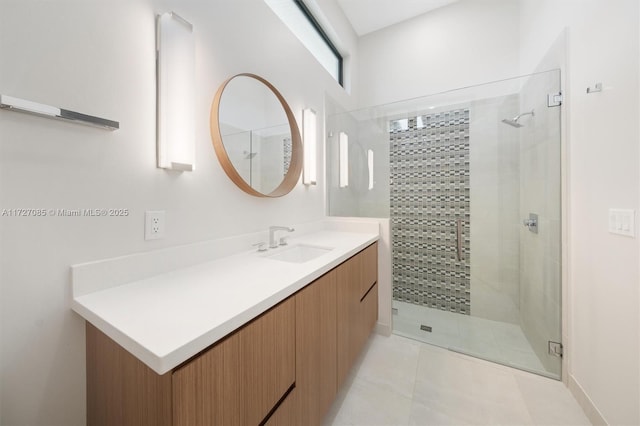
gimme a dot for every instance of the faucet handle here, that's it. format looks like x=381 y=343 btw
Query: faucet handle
x=262 y=246
x=283 y=241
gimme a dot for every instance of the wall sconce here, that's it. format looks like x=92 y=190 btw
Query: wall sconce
x=344 y=159
x=310 y=134
x=370 y=166
x=176 y=93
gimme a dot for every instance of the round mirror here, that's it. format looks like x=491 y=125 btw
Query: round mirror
x=255 y=136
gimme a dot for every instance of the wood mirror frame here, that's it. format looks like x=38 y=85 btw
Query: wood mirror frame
x=295 y=167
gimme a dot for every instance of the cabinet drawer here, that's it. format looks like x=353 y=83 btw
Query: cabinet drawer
x=368 y=313
x=287 y=413
x=369 y=265
x=241 y=379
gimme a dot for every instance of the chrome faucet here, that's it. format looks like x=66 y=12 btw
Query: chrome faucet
x=273 y=243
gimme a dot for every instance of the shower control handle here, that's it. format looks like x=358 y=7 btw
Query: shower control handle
x=531 y=223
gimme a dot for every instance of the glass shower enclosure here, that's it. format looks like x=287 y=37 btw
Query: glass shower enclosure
x=470 y=180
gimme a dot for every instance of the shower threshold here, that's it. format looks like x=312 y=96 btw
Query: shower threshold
x=495 y=341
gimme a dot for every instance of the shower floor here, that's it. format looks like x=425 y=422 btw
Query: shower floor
x=495 y=341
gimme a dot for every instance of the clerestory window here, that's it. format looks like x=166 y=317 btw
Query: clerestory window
x=297 y=16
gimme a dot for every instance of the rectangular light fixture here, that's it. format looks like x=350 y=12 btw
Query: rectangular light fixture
x=309 y=134
x=370 y=166
x=344 y=159
x=176 y=93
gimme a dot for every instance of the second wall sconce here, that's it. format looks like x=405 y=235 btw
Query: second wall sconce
x=175 y=48
x=310 y=135
x=344 y=159
x=370 y=167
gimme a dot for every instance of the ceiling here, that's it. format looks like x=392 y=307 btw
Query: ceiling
x=370 y=15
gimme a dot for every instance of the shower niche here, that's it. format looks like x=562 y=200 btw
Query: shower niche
x=458 y=174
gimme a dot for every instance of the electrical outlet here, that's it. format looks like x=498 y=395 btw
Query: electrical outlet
x=154 y=224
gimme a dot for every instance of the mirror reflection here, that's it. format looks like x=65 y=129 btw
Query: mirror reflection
x=255 y=132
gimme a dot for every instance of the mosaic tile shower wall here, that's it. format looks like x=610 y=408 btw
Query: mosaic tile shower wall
x=288 y=149
x=429 y=194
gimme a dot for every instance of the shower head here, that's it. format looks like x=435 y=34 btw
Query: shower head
x=249 y=155
x=514 y=121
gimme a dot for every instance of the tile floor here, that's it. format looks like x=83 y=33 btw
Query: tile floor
x=399 y=381
x=493 y=340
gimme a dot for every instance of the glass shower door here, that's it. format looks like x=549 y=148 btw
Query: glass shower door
x=471 y=183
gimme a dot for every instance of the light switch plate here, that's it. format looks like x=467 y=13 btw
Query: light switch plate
x=622 y=222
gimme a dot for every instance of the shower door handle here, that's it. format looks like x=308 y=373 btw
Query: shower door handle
x=459 y=239
x=531 y=223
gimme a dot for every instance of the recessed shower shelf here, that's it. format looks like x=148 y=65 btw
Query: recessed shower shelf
x=11 y=103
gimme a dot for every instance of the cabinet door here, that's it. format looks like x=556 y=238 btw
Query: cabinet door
x=241 y=379
x=316 y=364
x=368 y=315
x=347 y=303
x=287 y=413
x=355 y=279
x=259 y=364
x=198 y=397
x=369 y=258
x=121 y=390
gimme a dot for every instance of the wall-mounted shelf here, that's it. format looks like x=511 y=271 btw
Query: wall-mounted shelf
x=22 y=105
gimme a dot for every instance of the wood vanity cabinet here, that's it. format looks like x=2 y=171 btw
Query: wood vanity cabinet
x=238 y=381
x=283 y=368
x=334 y=318
x=357 y=306
x=316 y=350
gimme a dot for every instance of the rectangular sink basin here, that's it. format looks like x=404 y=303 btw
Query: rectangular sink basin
x=299 y=253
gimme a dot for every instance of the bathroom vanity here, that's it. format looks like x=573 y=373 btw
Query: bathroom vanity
x=279 y=365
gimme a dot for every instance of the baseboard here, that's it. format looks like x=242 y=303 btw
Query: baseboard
x=593 y=414
x=383 y=329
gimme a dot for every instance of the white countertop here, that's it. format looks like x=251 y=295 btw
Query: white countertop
x=165 y=319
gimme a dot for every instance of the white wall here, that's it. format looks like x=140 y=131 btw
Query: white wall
x=603 y=173
x=97 y=57
x=463 y=44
